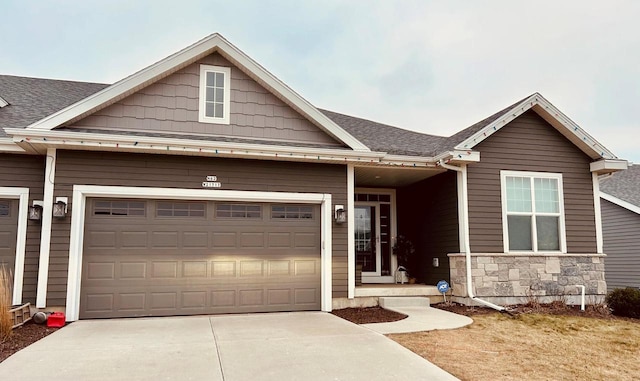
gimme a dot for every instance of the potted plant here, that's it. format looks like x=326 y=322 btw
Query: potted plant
x=404 y=251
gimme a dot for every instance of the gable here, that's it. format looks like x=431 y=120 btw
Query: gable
x=171 y=104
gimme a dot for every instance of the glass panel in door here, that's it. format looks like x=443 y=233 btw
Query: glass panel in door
x=365 y=231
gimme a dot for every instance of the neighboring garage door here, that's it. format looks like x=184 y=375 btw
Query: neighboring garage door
x=164 y=257
x=8 y=232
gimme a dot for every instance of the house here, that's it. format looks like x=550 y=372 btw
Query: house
x=204 y=184
x=620 y=205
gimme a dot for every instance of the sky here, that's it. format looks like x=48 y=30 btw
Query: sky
x=429 y=66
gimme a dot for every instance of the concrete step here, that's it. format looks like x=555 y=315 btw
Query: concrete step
x=403 y=301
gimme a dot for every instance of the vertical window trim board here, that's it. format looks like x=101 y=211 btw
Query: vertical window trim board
x=503 y=201
x=598 y=213
x=202 y=117
x=45 y=235
x=22 y=194
x=82 y=192
x=351 y=241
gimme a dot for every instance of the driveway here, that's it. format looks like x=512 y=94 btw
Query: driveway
x=277 y=346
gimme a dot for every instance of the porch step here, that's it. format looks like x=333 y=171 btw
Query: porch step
x=403 y=301
x=367 y=290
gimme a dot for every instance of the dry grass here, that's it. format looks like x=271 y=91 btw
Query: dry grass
x=533 y=347
x=5 y=303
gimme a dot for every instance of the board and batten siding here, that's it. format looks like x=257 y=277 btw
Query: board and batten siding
x=171 y=105
x=26 y=171
x=529 y=143
x=621 y=238
x=142 y=170
x=428 y=216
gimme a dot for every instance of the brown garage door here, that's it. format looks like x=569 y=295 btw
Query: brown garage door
x=162 y=257
x=8 y=232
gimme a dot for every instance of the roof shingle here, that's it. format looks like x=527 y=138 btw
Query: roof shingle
x=624 y=185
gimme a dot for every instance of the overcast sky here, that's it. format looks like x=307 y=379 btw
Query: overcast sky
x=429 y=66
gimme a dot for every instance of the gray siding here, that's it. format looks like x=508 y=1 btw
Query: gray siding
x=171 y=106
x=529 y=143
x=428 y=216
x=26 y=171
x=621 y=236
x=87 y=168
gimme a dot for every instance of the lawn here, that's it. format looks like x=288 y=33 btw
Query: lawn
x=533 y=347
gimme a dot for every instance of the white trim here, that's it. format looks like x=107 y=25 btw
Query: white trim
x=132 y=143
x=598 y=213
x=188 y=55
x=608 y=165
x=81 y=192
x=351 y=244
x=562 y=235
x=551 y=114
x=3 y=102
x=202 y=117
x=463 y=228
x=8 y=145
x=45 y=235
x=22 y=194
x=620 y=202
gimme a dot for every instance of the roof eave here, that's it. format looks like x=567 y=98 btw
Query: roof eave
x=605 y=166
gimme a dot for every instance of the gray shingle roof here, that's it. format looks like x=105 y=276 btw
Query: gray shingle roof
x=624 y=185
x=31 y=99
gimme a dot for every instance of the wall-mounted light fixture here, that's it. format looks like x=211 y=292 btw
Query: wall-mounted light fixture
x=340 y=214
x=35 y=211
x=60 y=207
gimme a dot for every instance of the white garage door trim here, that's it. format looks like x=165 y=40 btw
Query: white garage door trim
x=21 y=238
x=81 y=192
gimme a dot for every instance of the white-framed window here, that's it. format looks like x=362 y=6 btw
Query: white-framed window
x=215 y=83
x=533 y=212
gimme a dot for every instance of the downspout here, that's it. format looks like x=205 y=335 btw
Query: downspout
x=467 y=245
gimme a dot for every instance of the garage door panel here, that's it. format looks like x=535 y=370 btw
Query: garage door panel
x=8 y=232
x=169 y=266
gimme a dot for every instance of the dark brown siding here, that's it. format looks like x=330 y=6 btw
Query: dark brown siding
x=529 y=143
x=428 y=216
x=171 y=106
x=26 y=171
x=140 y=170
x=621 y=236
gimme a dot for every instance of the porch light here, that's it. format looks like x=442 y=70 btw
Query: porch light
x=35 y=211
x=60 y=207
x=340 y=214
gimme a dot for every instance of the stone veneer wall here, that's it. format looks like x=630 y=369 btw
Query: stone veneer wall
x=513 y=279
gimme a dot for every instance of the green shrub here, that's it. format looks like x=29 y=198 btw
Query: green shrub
x=625 y=302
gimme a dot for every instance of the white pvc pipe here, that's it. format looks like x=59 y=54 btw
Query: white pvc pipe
x=582 y=298
x=466 y=241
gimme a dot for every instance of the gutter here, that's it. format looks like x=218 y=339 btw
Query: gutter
x=467 y=246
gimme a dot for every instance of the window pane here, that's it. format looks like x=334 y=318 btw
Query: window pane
x=546 y=191
x=211 y=79
x=219 y=95
x=547 y=229
x=218 y=113
x=4 y=209
x=519 y=233
x=518 y=194
x=219 y=79
x=210 y=94
x=210 y=109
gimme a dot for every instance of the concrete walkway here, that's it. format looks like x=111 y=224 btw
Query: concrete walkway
x=420 y=318
x=277 y=346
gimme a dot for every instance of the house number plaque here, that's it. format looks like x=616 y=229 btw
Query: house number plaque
x=211 y=182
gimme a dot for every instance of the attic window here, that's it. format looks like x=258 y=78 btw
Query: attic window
x=215 y=83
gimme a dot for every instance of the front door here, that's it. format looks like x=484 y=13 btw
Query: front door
x=373 y=240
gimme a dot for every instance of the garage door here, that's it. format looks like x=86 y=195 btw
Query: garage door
x=163 y=257
x=8 y=232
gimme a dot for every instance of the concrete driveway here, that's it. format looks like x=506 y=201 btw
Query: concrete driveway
x=277 y=346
